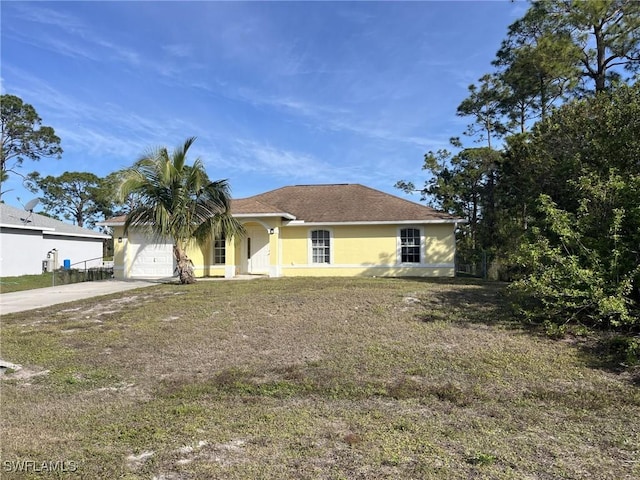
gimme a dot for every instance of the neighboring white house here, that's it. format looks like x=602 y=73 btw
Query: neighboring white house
x=28 y=239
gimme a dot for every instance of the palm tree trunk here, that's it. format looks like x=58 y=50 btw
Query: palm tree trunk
x=184 y=265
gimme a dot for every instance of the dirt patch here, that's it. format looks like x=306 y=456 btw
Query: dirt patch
x=12 y=371
x=136 y=461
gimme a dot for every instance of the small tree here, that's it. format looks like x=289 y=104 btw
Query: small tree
x=73 y=196
x=108 y=195
x=23 y=136
x=462 y=185
x=178 y=201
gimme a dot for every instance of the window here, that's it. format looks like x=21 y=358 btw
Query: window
x=219 y=250
x=410 y=245
x=320 y=246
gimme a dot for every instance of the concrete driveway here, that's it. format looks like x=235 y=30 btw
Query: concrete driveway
x=44 y=297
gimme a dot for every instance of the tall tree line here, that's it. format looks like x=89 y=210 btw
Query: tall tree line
x=550 y=188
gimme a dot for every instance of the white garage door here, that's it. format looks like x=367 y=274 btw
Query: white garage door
x=150 y=258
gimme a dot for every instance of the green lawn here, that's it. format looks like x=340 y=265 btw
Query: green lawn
x=32 y=282
x=25 y=282
x=310 y=379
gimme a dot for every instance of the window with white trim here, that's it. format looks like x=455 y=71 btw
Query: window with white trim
x=410 y=245
x=320 y=246
x=219 y=251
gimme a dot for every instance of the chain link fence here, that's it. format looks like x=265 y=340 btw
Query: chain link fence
x=473 y=265
x=83 y=273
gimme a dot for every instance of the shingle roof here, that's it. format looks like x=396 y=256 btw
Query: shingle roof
x=251 y=206
x=337 y=203
x=119 y=220
x=19 y=218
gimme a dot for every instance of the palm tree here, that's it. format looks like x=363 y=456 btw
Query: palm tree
x=179 y=202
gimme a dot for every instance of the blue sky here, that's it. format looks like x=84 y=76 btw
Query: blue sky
x=277 y=93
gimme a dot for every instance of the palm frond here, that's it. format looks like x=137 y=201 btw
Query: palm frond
x=178 y=200
x=179 y=155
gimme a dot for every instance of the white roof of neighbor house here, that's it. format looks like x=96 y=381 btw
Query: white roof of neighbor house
x=12 y=217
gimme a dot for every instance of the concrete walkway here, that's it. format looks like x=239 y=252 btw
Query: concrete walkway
x=45 y=297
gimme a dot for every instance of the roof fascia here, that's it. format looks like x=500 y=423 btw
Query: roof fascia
x=26 y=227
x=302 y=223
x=82 y=235
x=285 y=215
x=288 y=216
x=107 y=223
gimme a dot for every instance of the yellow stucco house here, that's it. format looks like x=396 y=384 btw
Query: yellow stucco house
x=309 y=230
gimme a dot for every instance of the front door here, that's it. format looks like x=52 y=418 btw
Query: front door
x=256 y=251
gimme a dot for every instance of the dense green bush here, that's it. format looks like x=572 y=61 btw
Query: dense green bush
x=574 y=277
x=580 y=259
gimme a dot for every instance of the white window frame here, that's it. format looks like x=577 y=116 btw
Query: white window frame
x=213 y=251
x=422 y=246
x=310 y=246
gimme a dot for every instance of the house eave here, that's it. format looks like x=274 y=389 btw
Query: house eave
x=53 y=231
x=110 y=224
x=26 y=227
x=101 y=236
x=293 y=222
x=285 y=215
x=302 y=223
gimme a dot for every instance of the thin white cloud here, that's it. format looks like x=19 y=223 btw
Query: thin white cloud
x=254 y=157
x=77 y=39
x=331 y=118
x=98 y=143
x=46 y=16
x=306 y=108
x=119 y=52
x=99 y=130
x=356 y=16
x=36 y=90
x=178 y=50
x=54 y=44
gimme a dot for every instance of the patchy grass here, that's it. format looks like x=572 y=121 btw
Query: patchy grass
x=310 y=379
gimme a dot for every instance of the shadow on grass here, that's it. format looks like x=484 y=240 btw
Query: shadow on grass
x=475 y=301
x=312 y=380
x=613 y=352
x=466 y=300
